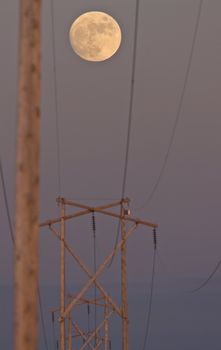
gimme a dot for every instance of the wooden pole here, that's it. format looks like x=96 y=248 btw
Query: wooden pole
x=27 y=177
x=62 y=278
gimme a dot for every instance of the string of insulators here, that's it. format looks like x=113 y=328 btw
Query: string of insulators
x=88 y=318
x=53 y=330
x=93 y=223
x=155 y=238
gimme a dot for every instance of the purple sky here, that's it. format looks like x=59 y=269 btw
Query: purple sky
x=93 y=102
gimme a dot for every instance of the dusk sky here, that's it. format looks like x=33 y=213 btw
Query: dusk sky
x=93 y=107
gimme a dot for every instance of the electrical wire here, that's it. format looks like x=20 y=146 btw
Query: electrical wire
x=131 y=103
x=56 y=100
x=149 y=312
x=179 y=110
x=130 y=114
x=209 y=277
x=42 y=319
x=6 y=204
x=12 y=236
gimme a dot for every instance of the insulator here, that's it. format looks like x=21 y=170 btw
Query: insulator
x=127 y=212
x=57 y=345
x=52 y=316
x=88 y=309
x=155 y=238
x=110 y=345
x=93 y=223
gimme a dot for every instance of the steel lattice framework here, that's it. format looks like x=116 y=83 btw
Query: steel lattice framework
x=98 y=338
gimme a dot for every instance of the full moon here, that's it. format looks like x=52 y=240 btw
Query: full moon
x=95 y=36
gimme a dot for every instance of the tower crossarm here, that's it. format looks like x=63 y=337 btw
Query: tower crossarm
x=100 y=209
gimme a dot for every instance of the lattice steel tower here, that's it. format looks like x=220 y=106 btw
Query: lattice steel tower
x=70 y=330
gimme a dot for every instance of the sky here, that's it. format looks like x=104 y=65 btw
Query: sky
x=93 y=105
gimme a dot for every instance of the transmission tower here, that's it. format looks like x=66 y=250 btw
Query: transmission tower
x=70 y=330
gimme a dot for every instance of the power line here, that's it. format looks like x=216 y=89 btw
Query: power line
x=149 y=312
x=209 y=277
x=131 y=104
x=179 y=110
x=56 y=100
x=6 y=204
x=42 y=320
x=12 y=236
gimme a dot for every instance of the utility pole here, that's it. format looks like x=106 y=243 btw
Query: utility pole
x=27 y=177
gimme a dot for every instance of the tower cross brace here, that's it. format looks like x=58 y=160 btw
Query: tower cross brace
x=70 y=329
